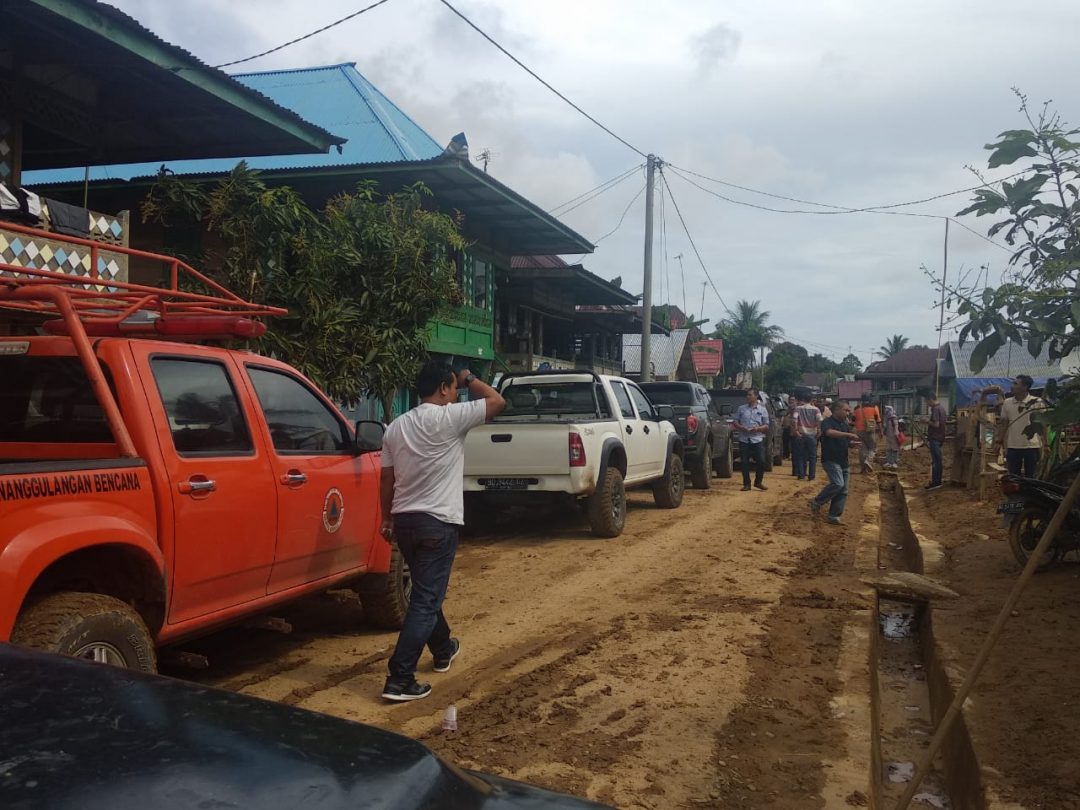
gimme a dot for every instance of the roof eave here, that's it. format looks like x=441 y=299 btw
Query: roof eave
x=188 y=69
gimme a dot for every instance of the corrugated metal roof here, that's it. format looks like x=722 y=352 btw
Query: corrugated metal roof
x=336 y=97
x=666 y=351
x=1010 y=360
x=910 y=362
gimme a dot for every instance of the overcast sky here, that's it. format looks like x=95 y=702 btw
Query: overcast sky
x=847 y=102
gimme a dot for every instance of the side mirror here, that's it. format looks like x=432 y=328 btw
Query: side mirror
x=369 y=436
x=664 y=412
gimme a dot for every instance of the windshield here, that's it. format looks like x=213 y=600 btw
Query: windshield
x=555 y=398
x=669 y=394
x=727 y=404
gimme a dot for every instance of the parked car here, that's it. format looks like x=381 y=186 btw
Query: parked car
x=727 y=402
x=576 y=436
x=78 y=735
x=199 y=487
x=705 y=433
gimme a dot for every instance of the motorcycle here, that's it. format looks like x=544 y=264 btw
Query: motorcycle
x=1030 y=504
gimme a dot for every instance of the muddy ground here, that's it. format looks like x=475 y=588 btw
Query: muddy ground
x=691 y=662
x=1024 y=715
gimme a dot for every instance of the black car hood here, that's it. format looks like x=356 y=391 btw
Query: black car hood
x=88 y=736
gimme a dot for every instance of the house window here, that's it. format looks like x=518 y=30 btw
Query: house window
x=481 y=274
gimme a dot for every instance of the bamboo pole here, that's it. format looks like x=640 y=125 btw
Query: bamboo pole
x=988 y=645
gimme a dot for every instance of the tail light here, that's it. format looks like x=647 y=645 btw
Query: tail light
x=577 y=450
x=1009 y=487
x=691 y=424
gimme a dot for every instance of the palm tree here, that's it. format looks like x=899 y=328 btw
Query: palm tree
x=745 y=331
x=894 y=345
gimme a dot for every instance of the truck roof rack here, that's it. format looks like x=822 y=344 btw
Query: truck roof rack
x=93 y=305
x=553 y=372
x=190 y=307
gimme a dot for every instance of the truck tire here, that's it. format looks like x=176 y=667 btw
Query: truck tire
x=607 y=506
x=726 y=463
x=668 y=491
x=385 y=597
x=90 y=626
x=701 y=474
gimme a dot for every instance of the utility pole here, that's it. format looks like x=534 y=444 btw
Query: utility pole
x=646 y=298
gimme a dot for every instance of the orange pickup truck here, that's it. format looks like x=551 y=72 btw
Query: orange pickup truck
x=151 y=491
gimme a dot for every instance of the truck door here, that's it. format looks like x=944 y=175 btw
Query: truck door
x=633 y=436
x=223 y=501
x=653 y=442
x=327 y=495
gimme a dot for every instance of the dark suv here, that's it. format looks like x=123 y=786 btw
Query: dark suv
x=705 y=433
x=727 y=402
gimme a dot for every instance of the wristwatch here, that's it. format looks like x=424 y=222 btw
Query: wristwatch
x=469 y=378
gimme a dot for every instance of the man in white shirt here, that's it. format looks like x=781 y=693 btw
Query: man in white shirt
x=423 y=463
x=1021 y=452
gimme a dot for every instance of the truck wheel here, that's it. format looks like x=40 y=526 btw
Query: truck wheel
x=607 y=506
x=91 y=626
x=726 y=463
x=668 y=491
x=385 y=597
x=701 y=474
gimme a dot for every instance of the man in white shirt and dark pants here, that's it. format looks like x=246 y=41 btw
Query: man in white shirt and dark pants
x=1021 y=451
x=423 y=462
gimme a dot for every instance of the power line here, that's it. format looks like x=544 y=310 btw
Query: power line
x=840 y=208
x=624 y=213
x=869 y=210
x=305 y=36
x=589 y=199
x=600 y=188
x=697 y=253
x=536 y=76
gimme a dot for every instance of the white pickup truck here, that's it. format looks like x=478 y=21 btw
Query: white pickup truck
x=576 y=435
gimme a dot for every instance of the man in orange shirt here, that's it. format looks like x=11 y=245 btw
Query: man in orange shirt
x=868 y=426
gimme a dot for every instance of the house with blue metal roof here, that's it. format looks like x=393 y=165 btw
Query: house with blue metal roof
x=382 y=143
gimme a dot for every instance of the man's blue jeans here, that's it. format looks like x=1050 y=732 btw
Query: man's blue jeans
x=836 y=491
x=807 y=458
x=428 y=546
x=935 y=461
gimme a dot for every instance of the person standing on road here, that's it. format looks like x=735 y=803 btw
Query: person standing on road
x=892 y=439
x=935 y=437
x=836 y=437
x=868 y=426
x=808 y=428
x=752 y=425
x=1021 y=453
x=423 y=463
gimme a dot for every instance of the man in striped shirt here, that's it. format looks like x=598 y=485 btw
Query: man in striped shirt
x=807 y=429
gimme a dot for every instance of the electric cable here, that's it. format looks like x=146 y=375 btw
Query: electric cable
x=305 y=36
x=600 y=188
x=869 y=210
x=697 y=253
x=623 y=217
x=536 y=76
x=842 y=208
x=587 y=200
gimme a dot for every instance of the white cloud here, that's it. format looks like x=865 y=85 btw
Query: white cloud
x=840 y=101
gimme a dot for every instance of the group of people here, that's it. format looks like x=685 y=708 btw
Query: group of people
x=423 y=462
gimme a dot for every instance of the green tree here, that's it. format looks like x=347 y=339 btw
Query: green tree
x=744 y=332
x=1038 y=214
x=894 y=345
x=362 y=279
x=850 y=365
x=782 y=373
x=786 y=348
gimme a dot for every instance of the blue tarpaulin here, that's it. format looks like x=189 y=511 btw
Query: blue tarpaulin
x=967 y=386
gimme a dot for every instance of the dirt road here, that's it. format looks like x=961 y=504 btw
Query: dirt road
x=692 y=662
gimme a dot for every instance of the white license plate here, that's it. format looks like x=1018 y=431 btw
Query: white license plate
x=506 y=483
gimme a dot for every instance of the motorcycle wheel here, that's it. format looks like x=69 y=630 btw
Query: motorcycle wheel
x=1024 y=534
